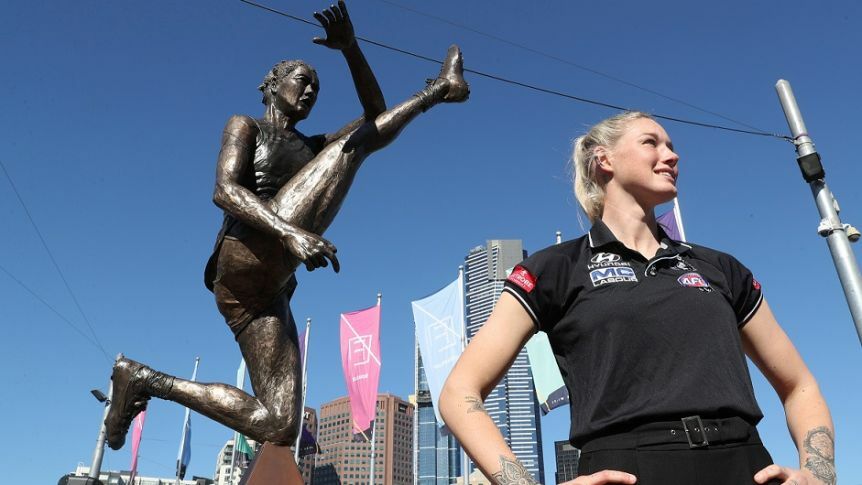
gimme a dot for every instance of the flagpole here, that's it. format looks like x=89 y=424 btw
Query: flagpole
x=240 y=383
x=374 y=422
x=304 y=381
x=99 y=452
x=678 y=216
x=465 y=467
x=185 y=424
x=416 y=408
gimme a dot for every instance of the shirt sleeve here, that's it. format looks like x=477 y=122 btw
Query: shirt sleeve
x=745 y=290
x=540 y=284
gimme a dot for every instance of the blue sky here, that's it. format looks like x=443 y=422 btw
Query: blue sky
x=111 y=118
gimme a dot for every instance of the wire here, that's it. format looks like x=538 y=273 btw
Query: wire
x=48 y=305
x=567 y=62
x=534 y=87
x=54 y=261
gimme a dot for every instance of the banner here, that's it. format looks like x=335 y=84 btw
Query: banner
x=439 y=322
x=550 y=389
x=360 y=359
x=668 y=222
x=307 y=443
x=137 y=431
x=185 y=455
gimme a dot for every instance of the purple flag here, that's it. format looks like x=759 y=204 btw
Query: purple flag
x=668 y=222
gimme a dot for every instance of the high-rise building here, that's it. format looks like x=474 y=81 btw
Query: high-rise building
x=346 y=462
x=231 y=466
x=306 y=463
x=512 y=404
x=438 y=460
x=567 y=461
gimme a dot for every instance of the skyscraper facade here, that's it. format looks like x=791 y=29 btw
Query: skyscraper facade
x=439 y=455
x=306 y=463
x=512 y=404
x=567 y=461
x=343 y=461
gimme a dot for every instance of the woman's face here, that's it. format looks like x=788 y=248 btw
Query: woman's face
x=297 y=92
x=643 y=163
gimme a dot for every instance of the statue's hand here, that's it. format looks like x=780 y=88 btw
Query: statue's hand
x=312 y=249
x=339 y=29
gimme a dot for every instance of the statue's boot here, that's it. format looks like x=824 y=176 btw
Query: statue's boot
x=134 y=384
x=450 y=86
x=453 y=73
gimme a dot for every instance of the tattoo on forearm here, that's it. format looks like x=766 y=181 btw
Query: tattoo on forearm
x=820 y=446
x=476 y=405
x=512 y=472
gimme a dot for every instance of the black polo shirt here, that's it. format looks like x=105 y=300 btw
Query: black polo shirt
x=642 y=340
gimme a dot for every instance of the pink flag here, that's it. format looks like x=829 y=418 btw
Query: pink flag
x=137 y=431
x=360 y=359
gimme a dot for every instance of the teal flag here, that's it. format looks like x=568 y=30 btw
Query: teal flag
x=550 y=390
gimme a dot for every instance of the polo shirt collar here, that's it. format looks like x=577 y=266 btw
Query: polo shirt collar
x=600 y=235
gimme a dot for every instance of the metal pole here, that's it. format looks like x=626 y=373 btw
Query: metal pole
x=465 y=466
x=373 y=442
x=374 y=423
x=99 y=452
x=678 y=216
x=416 y=407
x=304 y=387
x=830 y=227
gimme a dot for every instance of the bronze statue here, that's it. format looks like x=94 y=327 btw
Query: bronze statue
x=280 y=190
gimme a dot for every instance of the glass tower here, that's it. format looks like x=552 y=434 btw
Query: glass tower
x=439 y=455
x=512 y=404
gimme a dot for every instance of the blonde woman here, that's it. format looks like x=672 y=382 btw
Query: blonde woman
x=651 y=336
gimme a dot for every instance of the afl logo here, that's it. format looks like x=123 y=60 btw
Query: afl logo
x=605 y=258
x=694 y=280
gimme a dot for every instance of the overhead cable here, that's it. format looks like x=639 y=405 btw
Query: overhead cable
x=54 y=262
x=531 y=86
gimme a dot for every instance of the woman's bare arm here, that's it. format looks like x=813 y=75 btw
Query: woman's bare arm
x=808 y=417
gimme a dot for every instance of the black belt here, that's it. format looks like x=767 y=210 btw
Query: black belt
x=697 y=432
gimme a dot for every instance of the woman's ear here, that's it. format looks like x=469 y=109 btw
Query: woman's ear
x=603 y=161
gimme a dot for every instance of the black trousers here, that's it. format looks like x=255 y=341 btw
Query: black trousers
x=734 y=454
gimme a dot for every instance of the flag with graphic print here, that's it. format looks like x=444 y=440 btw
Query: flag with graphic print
x=137 y=432
x=440 y=331
x=360 y=360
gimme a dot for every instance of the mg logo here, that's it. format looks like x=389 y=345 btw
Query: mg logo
x=613 y=274
x=605 y=258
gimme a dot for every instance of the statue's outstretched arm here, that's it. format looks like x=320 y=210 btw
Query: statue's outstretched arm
x=339 y=35
x=234 y=160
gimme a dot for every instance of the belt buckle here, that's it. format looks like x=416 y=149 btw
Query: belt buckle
x=695 y=433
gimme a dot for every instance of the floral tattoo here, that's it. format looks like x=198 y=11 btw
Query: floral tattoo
x=513 y=472
x=820 y=446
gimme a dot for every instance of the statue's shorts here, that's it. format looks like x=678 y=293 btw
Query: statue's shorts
x=253 y=276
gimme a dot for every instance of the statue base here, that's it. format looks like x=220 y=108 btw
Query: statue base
x=274 y=465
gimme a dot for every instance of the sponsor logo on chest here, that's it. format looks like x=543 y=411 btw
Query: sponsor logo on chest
x=606 y=260
x=612 y=274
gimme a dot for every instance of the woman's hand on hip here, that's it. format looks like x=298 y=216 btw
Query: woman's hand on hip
x=603 y=477
x=793 y=476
